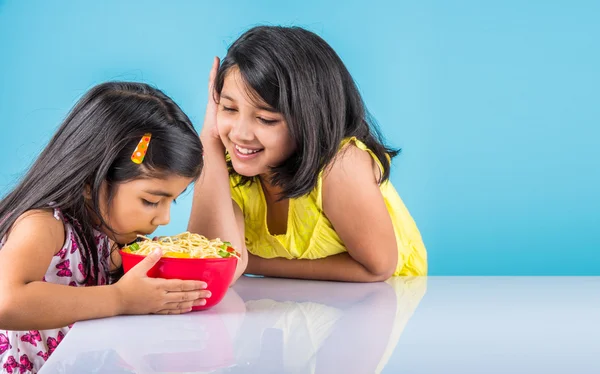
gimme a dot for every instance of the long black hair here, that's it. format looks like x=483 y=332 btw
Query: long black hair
x=298 y=74
x=94 y=145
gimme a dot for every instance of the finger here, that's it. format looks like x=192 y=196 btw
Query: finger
x=213 y=74
x=181 y=297
x=199 y=302
x=174 y=311
x=212 y=94
x=183 y=306
x=177 y=285
x=148 y=262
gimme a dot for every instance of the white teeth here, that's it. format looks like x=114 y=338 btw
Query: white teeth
x=245 y=151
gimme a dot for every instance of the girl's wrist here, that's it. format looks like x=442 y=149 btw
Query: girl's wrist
x=115 y=300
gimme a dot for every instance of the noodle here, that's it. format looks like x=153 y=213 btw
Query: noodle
x=184 y=245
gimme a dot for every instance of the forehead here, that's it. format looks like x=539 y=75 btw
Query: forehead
x=235 y=88
x=172 y=185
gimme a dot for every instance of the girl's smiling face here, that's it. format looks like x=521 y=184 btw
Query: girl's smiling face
x=255 y=135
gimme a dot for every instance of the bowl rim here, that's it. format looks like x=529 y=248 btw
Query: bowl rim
x=178 y=259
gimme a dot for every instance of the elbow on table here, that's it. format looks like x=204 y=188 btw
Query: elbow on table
x=381 y=271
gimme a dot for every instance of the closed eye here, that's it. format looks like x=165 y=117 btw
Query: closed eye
x=267 y=121
x=150 y=203
x=229 y=109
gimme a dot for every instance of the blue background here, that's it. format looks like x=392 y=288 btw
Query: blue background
x=495 y=104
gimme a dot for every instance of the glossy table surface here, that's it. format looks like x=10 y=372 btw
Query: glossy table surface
x=407 y=325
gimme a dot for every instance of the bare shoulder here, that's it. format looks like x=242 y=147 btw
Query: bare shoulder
x=351 y=179
x=39 y=224
x=35 y=237
x=351 y=164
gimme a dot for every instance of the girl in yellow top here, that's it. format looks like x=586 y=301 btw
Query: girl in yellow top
x=287 y=137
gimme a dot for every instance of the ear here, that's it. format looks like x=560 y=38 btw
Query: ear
x=87 y=192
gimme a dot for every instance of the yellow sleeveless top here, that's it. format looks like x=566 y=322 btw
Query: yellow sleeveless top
x=310 y=235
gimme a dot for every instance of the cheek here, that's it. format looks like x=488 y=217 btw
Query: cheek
x=116 y=215
x=288 y=142
x=223 y=125
x=282 y=142
x=125 y=213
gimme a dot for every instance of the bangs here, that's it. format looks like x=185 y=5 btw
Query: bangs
x=259 y=81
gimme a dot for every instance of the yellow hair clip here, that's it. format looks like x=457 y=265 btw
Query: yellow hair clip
x=141 y=149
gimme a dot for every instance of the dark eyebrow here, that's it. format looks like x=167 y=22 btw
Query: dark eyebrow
x=260 y=106
x=158 y=193
x=223 y=96
x=163 y=193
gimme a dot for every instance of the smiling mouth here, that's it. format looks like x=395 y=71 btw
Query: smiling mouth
x=247 y=151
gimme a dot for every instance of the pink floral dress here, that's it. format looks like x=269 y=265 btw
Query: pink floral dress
x=26 y=351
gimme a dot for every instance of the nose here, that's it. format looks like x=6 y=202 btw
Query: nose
x=242 y=130
x=163 y=217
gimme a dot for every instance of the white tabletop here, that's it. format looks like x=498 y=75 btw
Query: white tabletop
x=408 y=325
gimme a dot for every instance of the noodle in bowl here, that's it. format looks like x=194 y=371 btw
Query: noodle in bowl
x=188 y=256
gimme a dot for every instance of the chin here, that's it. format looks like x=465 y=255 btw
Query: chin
x=247 y=172
x=247 y=175
x=126 y=240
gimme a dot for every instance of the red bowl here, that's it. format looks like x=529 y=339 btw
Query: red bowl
x=216 y=272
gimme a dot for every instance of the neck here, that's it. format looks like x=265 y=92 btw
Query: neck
x=274 y=192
